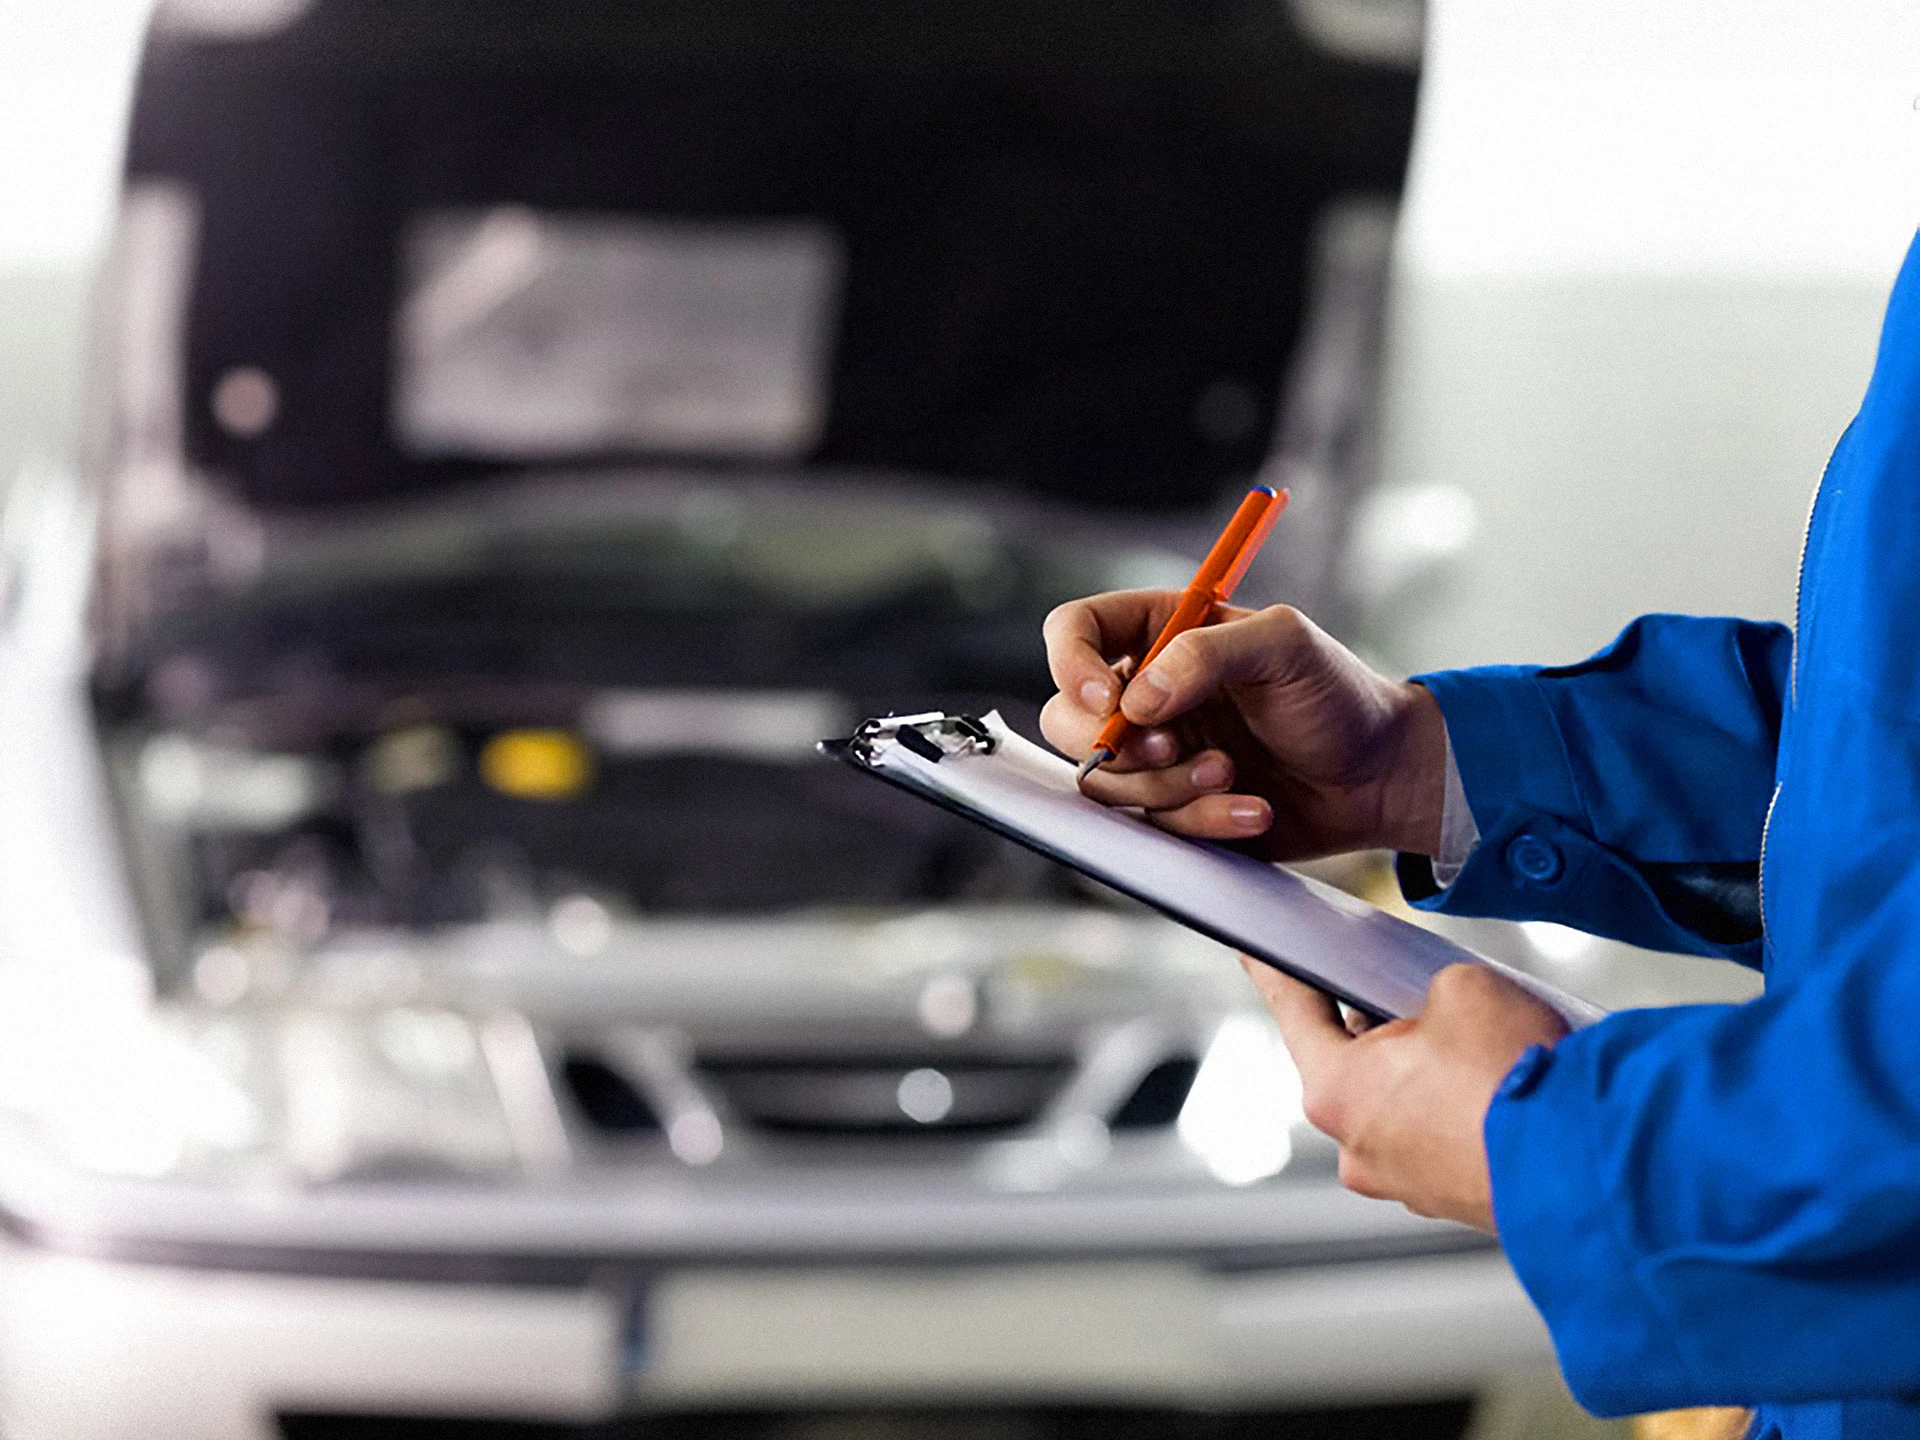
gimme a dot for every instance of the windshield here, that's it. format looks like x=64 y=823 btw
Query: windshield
x=493 y=710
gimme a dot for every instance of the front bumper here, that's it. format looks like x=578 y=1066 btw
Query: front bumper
x=167 y=1309
x=91 y=1349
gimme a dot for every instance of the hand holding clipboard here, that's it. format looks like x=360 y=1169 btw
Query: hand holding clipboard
x=1362 y=956
x=1329 y=755
x=978 y=768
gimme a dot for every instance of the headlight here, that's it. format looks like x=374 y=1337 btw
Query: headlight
x=398 y=1092
x=306 y=1095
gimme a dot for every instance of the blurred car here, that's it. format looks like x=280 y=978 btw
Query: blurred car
x=440 y=979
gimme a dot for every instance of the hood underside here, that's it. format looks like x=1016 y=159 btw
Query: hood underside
x=1056 y=246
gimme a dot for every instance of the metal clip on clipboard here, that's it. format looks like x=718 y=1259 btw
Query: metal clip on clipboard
x=978 y=768
x=932 y=736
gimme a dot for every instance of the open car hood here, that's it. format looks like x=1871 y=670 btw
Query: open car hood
x=1054 y=245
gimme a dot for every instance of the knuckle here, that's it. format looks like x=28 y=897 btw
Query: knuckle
x=1175 y=820
x=1062 y=619
x=1355 y=1176
x=1185 y=652
x=1192 y=658
x=1321 y=1110
x=1459 y=982
x=1127 y=790
x=1168 y=786
x=1200 y=643
x=1283 y=625
x=1285 y=639
x=1055 y=724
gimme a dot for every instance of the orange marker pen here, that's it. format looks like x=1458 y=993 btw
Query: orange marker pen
x=1211 y=587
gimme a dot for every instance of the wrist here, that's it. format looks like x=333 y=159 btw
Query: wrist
x=1414 y=799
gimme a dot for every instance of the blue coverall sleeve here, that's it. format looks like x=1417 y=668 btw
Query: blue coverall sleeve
x=1721 y=1203
x=1716 y=1204
x=1624 y=795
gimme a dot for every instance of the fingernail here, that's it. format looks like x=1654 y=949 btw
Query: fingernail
x=1247 y=810
x=1097 y=696
x=1149 y=694
x=1159 y=747
x=1211 y=773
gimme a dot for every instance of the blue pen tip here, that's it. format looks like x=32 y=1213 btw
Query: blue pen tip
x=1266 y=490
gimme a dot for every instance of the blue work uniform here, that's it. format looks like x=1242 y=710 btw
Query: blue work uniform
x=1720 y=1204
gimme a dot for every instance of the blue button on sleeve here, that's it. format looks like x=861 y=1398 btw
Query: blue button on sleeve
x=1535 y=860
x=1525 y=1073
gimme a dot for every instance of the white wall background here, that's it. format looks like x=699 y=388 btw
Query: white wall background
x=1642 y=262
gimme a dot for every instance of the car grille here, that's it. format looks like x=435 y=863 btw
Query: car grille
x=856 y=1096
x=886 y=1096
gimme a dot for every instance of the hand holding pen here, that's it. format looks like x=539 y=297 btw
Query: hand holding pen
x=1257 y=727
x=1212 y=586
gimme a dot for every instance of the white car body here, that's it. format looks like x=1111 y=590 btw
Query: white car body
x=1028 y=1275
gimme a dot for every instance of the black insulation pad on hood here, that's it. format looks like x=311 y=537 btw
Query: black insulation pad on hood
x=1063 y=221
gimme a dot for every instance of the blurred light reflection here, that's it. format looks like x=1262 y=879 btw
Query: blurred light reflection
x=1240 y=1113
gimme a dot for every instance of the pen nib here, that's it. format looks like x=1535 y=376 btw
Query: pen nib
x=1093 y=762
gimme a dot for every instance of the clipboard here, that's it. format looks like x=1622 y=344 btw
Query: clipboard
x=976 y=767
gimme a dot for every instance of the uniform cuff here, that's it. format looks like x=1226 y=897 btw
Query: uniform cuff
x=1506 y=742
x=1516 y=782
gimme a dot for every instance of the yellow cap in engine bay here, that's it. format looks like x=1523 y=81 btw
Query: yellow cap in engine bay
x=537 y=764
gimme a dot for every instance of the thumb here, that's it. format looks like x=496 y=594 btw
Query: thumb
x=1198 y=665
